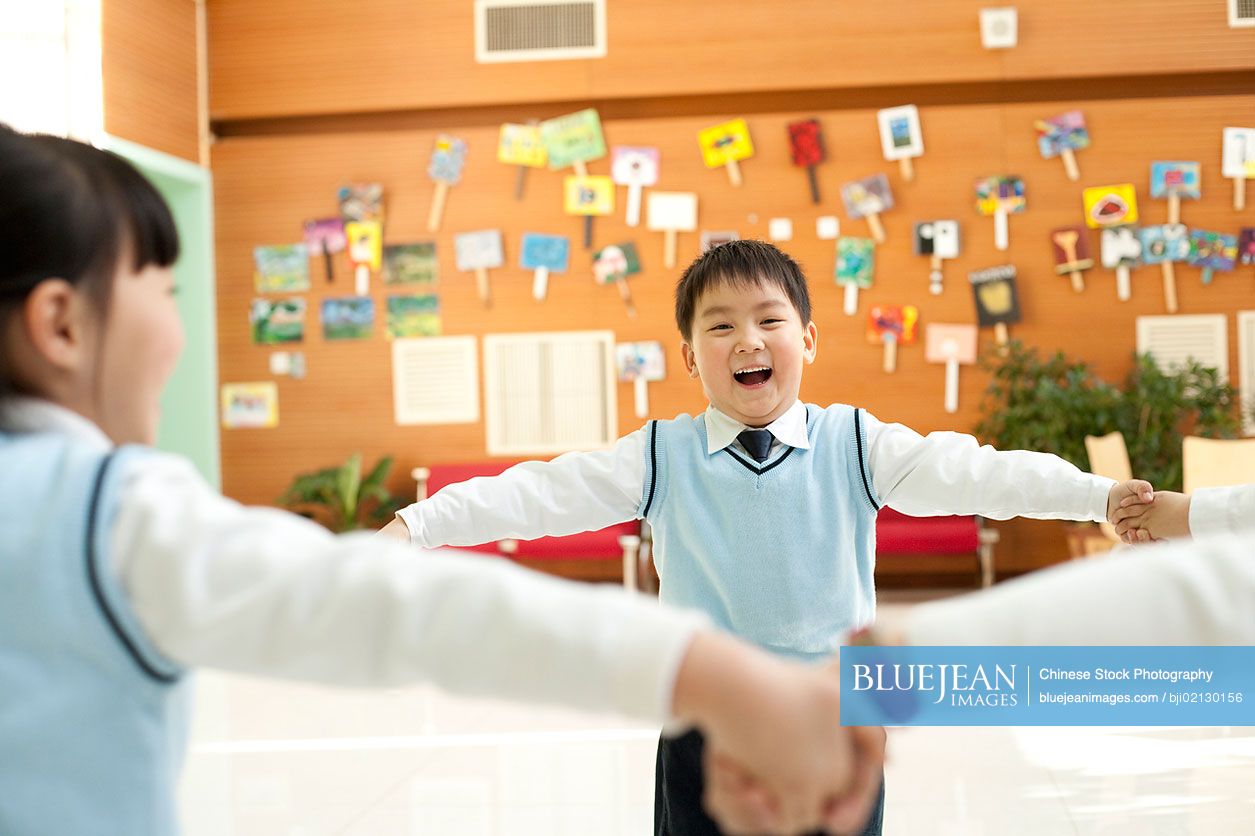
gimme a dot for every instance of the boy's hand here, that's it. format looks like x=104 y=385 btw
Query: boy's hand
x=1137 y=489
x=743 y=804
x=1167 y=516
x=779 y=723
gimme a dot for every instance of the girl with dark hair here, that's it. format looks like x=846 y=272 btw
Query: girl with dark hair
x=121 y=569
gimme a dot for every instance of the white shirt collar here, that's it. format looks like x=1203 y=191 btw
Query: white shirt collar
x=26 y=414
x=789 y=428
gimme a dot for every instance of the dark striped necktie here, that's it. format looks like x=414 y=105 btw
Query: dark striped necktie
x=757 y=443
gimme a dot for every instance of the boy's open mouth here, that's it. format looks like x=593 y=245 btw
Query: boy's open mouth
x=753 y=376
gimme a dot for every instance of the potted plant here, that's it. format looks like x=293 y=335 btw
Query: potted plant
x=1051 y=404
x=340 y=499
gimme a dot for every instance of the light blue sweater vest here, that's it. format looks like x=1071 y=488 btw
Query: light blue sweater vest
x=93 y=718
x=780 y=553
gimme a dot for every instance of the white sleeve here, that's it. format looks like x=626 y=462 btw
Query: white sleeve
x=575 y=492
x=262 y=591
x=1182 y=593
x=950 y=473
x=1217 y=510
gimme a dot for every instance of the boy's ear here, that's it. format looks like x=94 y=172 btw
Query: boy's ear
x=690 y=360
x=56 y=319
x=810 y=342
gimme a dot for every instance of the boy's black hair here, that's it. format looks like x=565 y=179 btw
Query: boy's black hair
x=70 y=211
x=743 y=264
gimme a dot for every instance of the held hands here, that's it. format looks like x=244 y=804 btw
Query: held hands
x=1167 y=515
x=778 y=760
x=1132 y=491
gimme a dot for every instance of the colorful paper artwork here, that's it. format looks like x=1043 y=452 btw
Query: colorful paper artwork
x=712 y=238
x=895 y=322
x=1165 y=243
x=806 y=149
x=552 y=252
x=365 y=243
x=856 y=261
x=250 y=405
x=1000 y=194
x=411 y=263
x=1065 y=132
x=480 y=250
x=325 y=237
x=573 y=138
x=413 y=316
x=953 y=345
x=640 y=361
x=281 y=269
x=1182 y=179
x=868 y=196
x=1238 y=158
x=348 y=318
x=900 y=134
x=1212 y=251
x=939 y=239
x=277 y=321
x=588 y=195
x=361 y=202
x=1070 y=245
x=521 y=145
x=997 y=296
x=1114 y=205
x=616 y=262
x=1246 y=245
x=1121 y=247
x=727 y=142
x=447 y=160
x=634 y=165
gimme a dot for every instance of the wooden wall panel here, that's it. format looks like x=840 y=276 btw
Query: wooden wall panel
x=299 y=57
x=265 y=187
x=149 y=57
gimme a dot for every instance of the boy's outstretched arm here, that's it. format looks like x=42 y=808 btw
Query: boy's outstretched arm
x=575 y=492
x=1206 y=511
x=951 y=473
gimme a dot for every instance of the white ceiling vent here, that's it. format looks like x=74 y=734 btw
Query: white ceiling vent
x=1241 y=13
x=1173 y=340
x=539 y=30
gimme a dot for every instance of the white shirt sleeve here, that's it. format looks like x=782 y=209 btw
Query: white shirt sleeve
x=575 y=492
x=1216 y=510
x=1182 y=593
x=950 y=473
x=261 y=591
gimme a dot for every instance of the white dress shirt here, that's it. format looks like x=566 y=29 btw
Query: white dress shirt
x=941 y=473
x=262 y=591
x=1218 y=510
x=1197 y=592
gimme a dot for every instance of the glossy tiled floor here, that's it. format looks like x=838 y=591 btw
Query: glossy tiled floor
x=276 y=759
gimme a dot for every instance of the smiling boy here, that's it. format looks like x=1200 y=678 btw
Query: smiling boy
x=763 y=508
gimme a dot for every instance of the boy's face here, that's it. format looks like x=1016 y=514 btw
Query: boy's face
x=748 y=347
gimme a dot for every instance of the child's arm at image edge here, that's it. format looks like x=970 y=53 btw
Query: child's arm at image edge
x=575 y=492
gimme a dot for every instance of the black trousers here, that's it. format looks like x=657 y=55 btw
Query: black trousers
x=678 y=785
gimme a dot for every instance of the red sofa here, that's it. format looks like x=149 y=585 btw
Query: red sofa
x=896 y=534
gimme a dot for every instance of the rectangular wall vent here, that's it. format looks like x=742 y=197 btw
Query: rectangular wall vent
x=1241 y=13
x=1172 y=340
x=549 y=393
x=539 y=30
x=1246 y=369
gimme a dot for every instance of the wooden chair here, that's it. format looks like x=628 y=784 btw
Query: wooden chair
x=1109 y=456
x=1217 y=462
